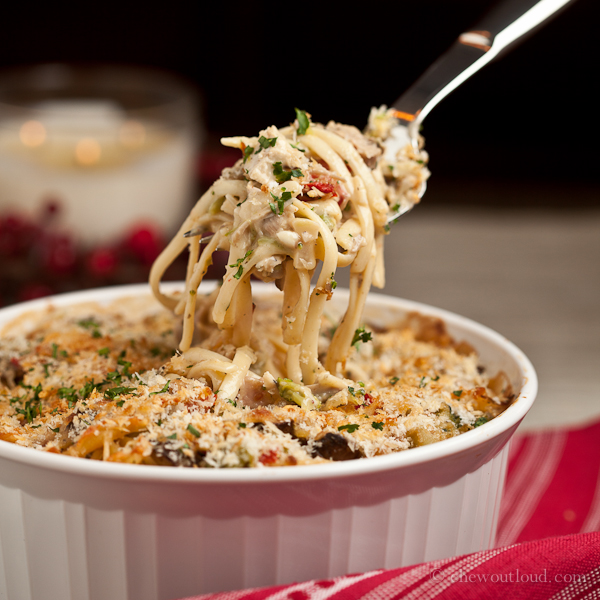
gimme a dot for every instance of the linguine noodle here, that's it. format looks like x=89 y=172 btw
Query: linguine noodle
x=300 y=203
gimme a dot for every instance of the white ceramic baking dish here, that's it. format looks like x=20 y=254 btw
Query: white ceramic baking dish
x=74 y=529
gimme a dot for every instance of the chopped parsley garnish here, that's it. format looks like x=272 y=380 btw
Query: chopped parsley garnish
x=233 y=403
x=422 y=383
x=248 y=150
x=394 y=380
x=457 y=393
x=33 y=406
x=349 y=427
x=87 y=389
x=377 y=425
x=193 y=430
x=104 y=351
x=303 y=121
x=266 y=143
x=120 y=403
x=164 y=390
x=54 y=350
x=54 y=430
x=242 y=425
x=113 y=377
x=173 y=436
x=333 y=282
x=480 y=421
x=356 y=392
x=239 y=265
x=68 y=393
x=297 y=147
x=91 y=325
x=455 y=418
x=112 y=393
x=125 y=364
x=281 y=175
x=360 y=335
x=278 y=209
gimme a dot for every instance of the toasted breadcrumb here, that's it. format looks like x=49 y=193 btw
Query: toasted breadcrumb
x=105 y=383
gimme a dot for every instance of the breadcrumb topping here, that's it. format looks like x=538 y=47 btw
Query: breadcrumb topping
x=106 y=383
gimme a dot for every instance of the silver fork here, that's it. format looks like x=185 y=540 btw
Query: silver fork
x=508 y=22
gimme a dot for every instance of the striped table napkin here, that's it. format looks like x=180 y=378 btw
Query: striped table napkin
x=548 y=545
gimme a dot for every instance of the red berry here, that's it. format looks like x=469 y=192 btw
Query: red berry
x=102 y=262
x=59 y=254
x=145 y=243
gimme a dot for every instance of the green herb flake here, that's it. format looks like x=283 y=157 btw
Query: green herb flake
x=54 y=350
x=265 y=143
x=349 y=427
x=87 y=389
x=457 y=393
x=173 y=436
x=104 y=351
x=455 y=418
x=285 y=196
x=193 y=430
x=242 y=425
x=112 y=393
x=394 y=380
x=422 y=383
x=282 y=175
x=67 y=393
x=239 y=265
x=360 y=335
x=91 y=325
x=164 y=390
x=303 y=121
x=480 y=421
x=356 y=392
x=125 y=364
x=377 y=425
x=54 y=430
x=248 y=150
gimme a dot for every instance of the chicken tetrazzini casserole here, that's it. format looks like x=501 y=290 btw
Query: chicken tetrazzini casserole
x=226 y=379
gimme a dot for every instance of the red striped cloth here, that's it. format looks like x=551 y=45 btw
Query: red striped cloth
x=548 y=545
x=553 y=485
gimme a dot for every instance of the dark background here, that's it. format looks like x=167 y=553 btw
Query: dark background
x=528 y=119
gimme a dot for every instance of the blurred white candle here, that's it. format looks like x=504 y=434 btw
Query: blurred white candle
x=108 y=170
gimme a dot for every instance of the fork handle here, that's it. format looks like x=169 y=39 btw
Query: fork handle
x=509 y=21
